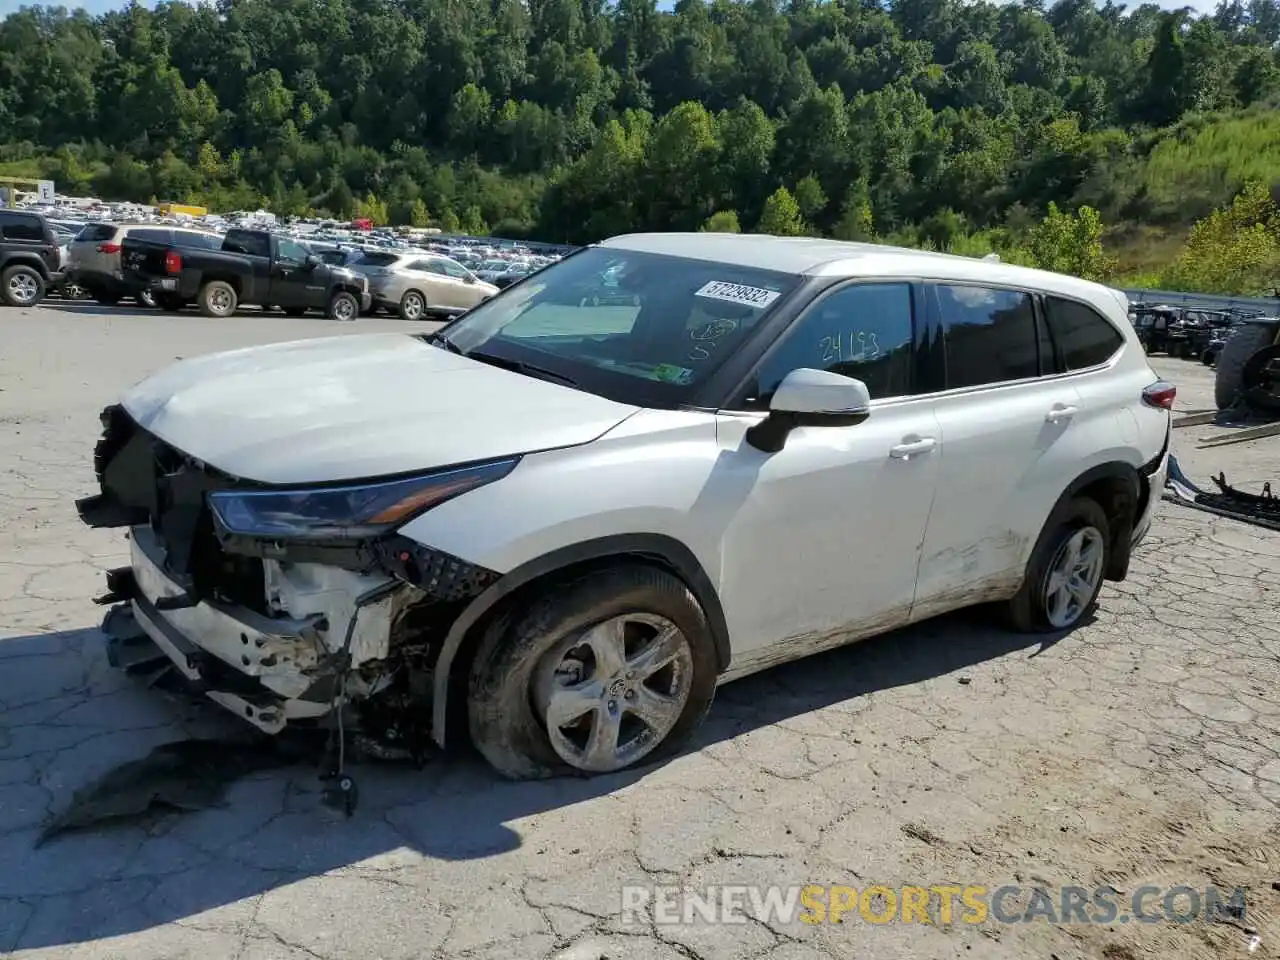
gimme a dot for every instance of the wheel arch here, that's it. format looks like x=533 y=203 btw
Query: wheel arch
x=1117 y=488
x=30 y=260
x=453 y=663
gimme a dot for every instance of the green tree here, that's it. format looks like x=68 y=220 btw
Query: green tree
x=781 y=215
x=1071 y=243
x=1235 y=250
x=856 y=221
x=810 y=198
x=722 y=221
x=419 y=216
x=472 y=223
x=450 y=223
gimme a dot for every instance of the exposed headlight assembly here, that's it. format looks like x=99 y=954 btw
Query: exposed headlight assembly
x=345 y=513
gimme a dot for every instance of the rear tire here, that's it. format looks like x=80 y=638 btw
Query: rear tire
x=413 y=306
x=1036 y=606
x=520 y=659
x=218 y=299
x=343 y=307
x=21 y=286
x=1235 y=353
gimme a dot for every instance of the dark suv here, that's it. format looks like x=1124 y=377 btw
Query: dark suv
x=29 y=259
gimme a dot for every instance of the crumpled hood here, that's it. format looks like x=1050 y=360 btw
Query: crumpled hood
x=352 y=407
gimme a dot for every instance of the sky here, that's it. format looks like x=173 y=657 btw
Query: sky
x=102 y=6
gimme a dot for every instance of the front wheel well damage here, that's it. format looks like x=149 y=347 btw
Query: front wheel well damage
x=450 y=726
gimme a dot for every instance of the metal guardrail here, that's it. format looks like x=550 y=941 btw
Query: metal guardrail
x=1205 y=301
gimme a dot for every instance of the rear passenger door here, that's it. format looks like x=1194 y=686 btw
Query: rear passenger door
x=1010 y=445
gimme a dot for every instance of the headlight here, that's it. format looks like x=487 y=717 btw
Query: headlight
x=345 y=512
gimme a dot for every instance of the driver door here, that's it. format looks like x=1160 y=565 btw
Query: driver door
x=822 y=539
x=292 y=278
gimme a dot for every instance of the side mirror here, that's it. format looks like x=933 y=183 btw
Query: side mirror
x=470 y=278
x=810 y=398
x=312 y=262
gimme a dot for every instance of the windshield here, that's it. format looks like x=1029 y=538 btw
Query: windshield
x=640 y=328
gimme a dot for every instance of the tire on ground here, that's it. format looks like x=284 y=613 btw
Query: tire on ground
x=343 y=306
x=1026 y=612
x=30 y=274
x=407 y=308
x=1243 y=343
x=210 y=291
x=503 y=725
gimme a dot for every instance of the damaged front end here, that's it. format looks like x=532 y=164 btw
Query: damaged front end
x=281 y=604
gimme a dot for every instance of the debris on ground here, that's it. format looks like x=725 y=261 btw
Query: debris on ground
x=184 y=775
x=1261 y=509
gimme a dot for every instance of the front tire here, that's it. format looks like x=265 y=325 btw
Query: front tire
x=1066 y=570
x=218 y=299
x=343 y=307
x=594 y=676
x=21 y=286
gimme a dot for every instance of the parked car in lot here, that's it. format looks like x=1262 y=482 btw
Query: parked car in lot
x=416 y=284
x=246 y=267
x=30 y=259
x=557 y=524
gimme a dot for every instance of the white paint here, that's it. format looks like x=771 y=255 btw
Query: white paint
x=340 y=408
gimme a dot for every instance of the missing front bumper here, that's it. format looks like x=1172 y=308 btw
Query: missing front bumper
x=267 y=670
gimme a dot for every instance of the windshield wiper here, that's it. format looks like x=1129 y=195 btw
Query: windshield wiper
x=520 y=366
x=445 y=342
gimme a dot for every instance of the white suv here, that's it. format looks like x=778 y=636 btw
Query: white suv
x=662 y=463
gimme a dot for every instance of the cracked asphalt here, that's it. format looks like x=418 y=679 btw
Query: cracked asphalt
x=1143 y=748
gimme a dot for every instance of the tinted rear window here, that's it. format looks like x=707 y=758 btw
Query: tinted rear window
x=19 y=226
x=196 y=241
x=377 y=260
x=96 y=232
x=990 y=335
x=1083 y=338
x=248 y=244
x=153 y=235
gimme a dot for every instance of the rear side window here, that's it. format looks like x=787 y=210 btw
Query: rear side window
x=155 y=236
x=15 y=226
x=1083 y=338
x=247 y=244
x=373 y=259
x=990 y=335
x=196 y=241
x=96 y=232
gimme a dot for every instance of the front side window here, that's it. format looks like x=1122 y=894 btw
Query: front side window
x=990 y=335
x=455 y=270
x=1083 y=338
x=641 y=328
x=294 y=252
x=862 y=330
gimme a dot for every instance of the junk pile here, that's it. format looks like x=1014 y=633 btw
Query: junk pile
x=1260 y=509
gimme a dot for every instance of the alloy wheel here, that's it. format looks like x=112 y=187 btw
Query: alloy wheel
x=1074 y=575
x=610 y=695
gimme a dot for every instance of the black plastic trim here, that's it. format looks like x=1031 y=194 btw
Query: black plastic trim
x=664 y=549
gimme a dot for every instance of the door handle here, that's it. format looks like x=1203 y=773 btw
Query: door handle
x=1061 y=411
x=905 y=451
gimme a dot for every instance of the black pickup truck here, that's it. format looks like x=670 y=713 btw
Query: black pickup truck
x=252 y=267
